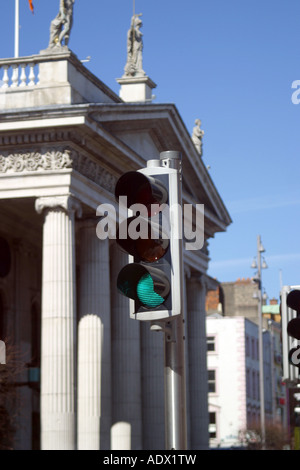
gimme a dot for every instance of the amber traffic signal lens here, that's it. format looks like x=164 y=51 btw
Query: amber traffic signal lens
x=151 y=250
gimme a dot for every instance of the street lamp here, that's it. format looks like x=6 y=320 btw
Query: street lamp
x=259 y=266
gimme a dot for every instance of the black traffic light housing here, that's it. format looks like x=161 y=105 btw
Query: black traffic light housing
x=151 y=235
x=293 y=326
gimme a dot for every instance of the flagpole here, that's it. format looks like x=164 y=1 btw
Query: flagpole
x=17 y=27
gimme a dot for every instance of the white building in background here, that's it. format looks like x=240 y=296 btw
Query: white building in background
x=65 y=139
x=233 y=378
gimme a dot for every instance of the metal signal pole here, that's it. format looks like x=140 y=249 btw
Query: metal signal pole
x=174 y=365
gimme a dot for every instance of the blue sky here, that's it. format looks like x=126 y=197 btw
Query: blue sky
x=231 y=64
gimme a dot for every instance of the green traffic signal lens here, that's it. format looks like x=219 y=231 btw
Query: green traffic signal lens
x=146 y=293
x=147 y=286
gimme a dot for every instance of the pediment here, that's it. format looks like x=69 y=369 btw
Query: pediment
x=149 y=129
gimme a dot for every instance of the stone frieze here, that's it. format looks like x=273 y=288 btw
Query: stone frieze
x=14 y=163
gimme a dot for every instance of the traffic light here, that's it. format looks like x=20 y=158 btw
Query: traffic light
x=290 y=320
x=293 y=326
x=151 y=235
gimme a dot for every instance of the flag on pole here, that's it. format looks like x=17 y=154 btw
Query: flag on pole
x=31 y=5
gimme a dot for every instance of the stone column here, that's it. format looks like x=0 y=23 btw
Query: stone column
x=197 y=351
x=58 y=322
x=89 y=383
x=126 y=366
x=20 y=327
x=94 y=344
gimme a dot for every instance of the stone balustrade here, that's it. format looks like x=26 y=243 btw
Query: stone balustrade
x=50 y=78
x=19 y=72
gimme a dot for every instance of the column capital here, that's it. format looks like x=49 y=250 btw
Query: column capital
x=204 y=280
x=66 y=202
x=88 y=221
x=196 y=277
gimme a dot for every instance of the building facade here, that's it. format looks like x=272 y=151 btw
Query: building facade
x=232 y=313
x=92 y=378
x=233 y=371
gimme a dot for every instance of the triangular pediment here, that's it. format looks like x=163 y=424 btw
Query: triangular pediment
x=149 y=129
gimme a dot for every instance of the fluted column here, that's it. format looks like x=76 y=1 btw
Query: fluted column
x=197 y=351
x=89 y=382
x=126 y=366
x=58 y=322
x=94 y=343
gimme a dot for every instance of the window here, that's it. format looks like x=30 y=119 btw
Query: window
x=211 y=343
x=254 y=384
x=248 y=385
x=211 y=381
x=253 y=352
x=247 y=346
x=212 y=428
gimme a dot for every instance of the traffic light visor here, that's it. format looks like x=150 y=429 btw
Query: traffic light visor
x=293 y=300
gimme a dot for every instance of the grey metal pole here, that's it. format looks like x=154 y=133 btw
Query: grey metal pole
x=260 y=344
x=174 y=358
x=175 y=394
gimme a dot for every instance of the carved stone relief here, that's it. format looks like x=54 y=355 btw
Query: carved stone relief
x=56 y=160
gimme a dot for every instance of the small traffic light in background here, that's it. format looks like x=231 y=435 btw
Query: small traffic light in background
x=290 y=322
x=151 y=235
x=2 y=352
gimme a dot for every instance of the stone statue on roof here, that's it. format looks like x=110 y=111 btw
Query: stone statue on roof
x=62 y=24
x=197 y=136
x=134 y=65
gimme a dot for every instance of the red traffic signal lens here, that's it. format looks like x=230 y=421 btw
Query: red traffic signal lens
x=141 y=189
x=293 y=300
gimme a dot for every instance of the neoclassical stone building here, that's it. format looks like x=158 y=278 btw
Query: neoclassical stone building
x=93 y=377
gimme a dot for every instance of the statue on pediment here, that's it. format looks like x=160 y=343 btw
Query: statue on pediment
x=134 y=65
x=197 y=136
x=62 y=24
